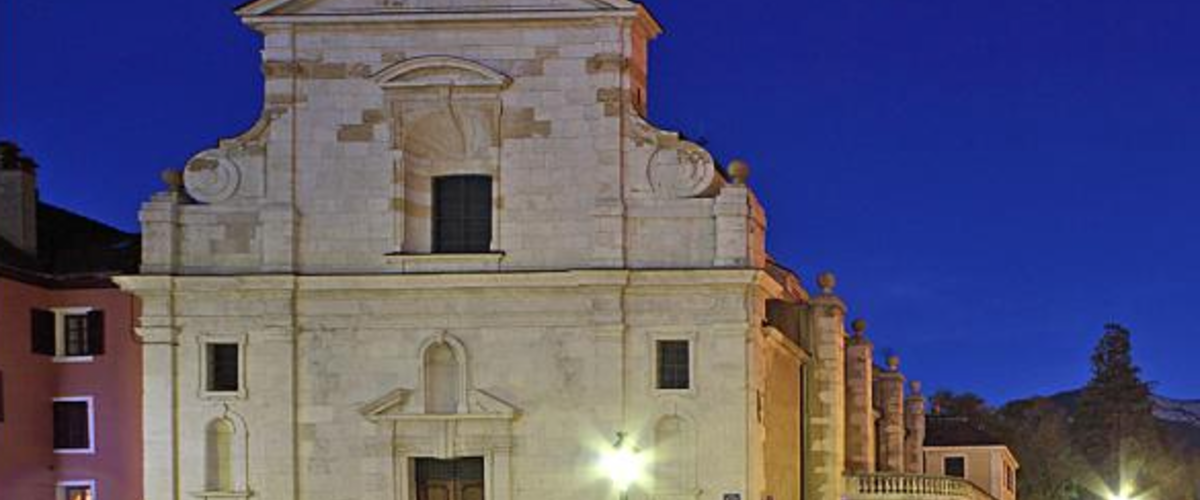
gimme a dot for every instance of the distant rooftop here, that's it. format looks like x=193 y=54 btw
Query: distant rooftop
x=72 y=250
x=957 y=431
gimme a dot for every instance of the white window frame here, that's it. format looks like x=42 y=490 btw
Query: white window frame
x=966 y=465
x=60 y=488
x=203 y=342
x=91 y=412
x=60 y=334
x=690 y=338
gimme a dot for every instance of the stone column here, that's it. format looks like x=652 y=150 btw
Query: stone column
x=890 y=385
x=914 y=425
x=826 y=395
x=860 y=410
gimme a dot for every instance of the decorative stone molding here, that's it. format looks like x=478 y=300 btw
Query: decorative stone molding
x=677 y=168
x=440 y=71
x=212 y=177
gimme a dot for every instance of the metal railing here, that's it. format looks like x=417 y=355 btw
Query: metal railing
x=911 y=486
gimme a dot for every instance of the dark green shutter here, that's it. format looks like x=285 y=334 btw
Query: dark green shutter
x=95 y=332
x=42 y=332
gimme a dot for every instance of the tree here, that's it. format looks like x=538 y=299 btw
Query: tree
x=963 y=404
x=1037 y=432
x=1114 y=428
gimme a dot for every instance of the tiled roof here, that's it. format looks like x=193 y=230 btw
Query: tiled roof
x=957 y=431
x=72 y=250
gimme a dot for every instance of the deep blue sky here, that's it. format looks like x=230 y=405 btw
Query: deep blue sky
x=992 y=181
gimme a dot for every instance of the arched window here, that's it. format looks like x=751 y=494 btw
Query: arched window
x=219 y=455
x=442 y=382
x=674 y=455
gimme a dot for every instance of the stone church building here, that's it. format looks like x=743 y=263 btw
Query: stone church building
x=453 y=260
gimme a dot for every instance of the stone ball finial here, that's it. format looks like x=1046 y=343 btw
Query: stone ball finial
x=173 y=179
x=914 y=386
x=827 y=281
x=859 y=326
x=740 y=171
x=893 y=363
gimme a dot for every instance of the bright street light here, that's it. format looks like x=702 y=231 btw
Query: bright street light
x=623 y=463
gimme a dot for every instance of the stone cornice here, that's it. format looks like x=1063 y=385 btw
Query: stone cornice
x=443 y=17
x=533 y=279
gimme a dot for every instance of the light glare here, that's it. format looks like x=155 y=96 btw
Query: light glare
x=624 y=465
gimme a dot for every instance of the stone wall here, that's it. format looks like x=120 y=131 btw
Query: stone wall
x=571 y=353
x=359 y=116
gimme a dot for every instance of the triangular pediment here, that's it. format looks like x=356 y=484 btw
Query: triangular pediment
x=399 y=405
x=353 y=7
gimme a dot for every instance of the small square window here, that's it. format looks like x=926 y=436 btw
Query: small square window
x=76 y=490
x=73 y=425
x=674 y=364
x=224 y=370
x=955 y=466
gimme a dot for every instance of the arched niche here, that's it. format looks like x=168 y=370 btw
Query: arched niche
x=226 y=449
x=674 y=463
x=444 y=381
x=445 y=116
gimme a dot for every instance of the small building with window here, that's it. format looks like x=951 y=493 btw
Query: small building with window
x=70 y=370
x=958 y=447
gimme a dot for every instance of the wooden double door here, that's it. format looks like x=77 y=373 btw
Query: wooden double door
x=457 y=479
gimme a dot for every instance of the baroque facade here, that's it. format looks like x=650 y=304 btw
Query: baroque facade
x=454 y=260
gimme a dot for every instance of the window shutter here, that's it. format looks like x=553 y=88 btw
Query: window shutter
x=42 y=332
x=95 y=331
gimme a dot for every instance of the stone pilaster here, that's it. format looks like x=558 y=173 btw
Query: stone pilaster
x=826 y=395
x=741 y=223
x=890 y=385
x=914 y=425
x=278 y=238
x=860 y=412
x=160 y=227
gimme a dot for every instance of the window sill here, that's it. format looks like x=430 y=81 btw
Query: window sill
x=222 y=395
x=689 y=392
x=223 y=494
x=446 y=262
x=72 y=359
x=74 y=451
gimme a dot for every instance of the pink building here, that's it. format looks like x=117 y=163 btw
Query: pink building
x=70 y=367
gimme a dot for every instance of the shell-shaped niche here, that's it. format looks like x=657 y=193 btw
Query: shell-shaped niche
x=212 y=177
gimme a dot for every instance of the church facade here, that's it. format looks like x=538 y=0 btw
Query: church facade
x=454 y=260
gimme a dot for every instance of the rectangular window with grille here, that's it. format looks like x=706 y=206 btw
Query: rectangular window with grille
x=75 y=335
x=955 y=466
x=224 y=370
x=462 y=214
x=674 y=364
x=72 y=425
